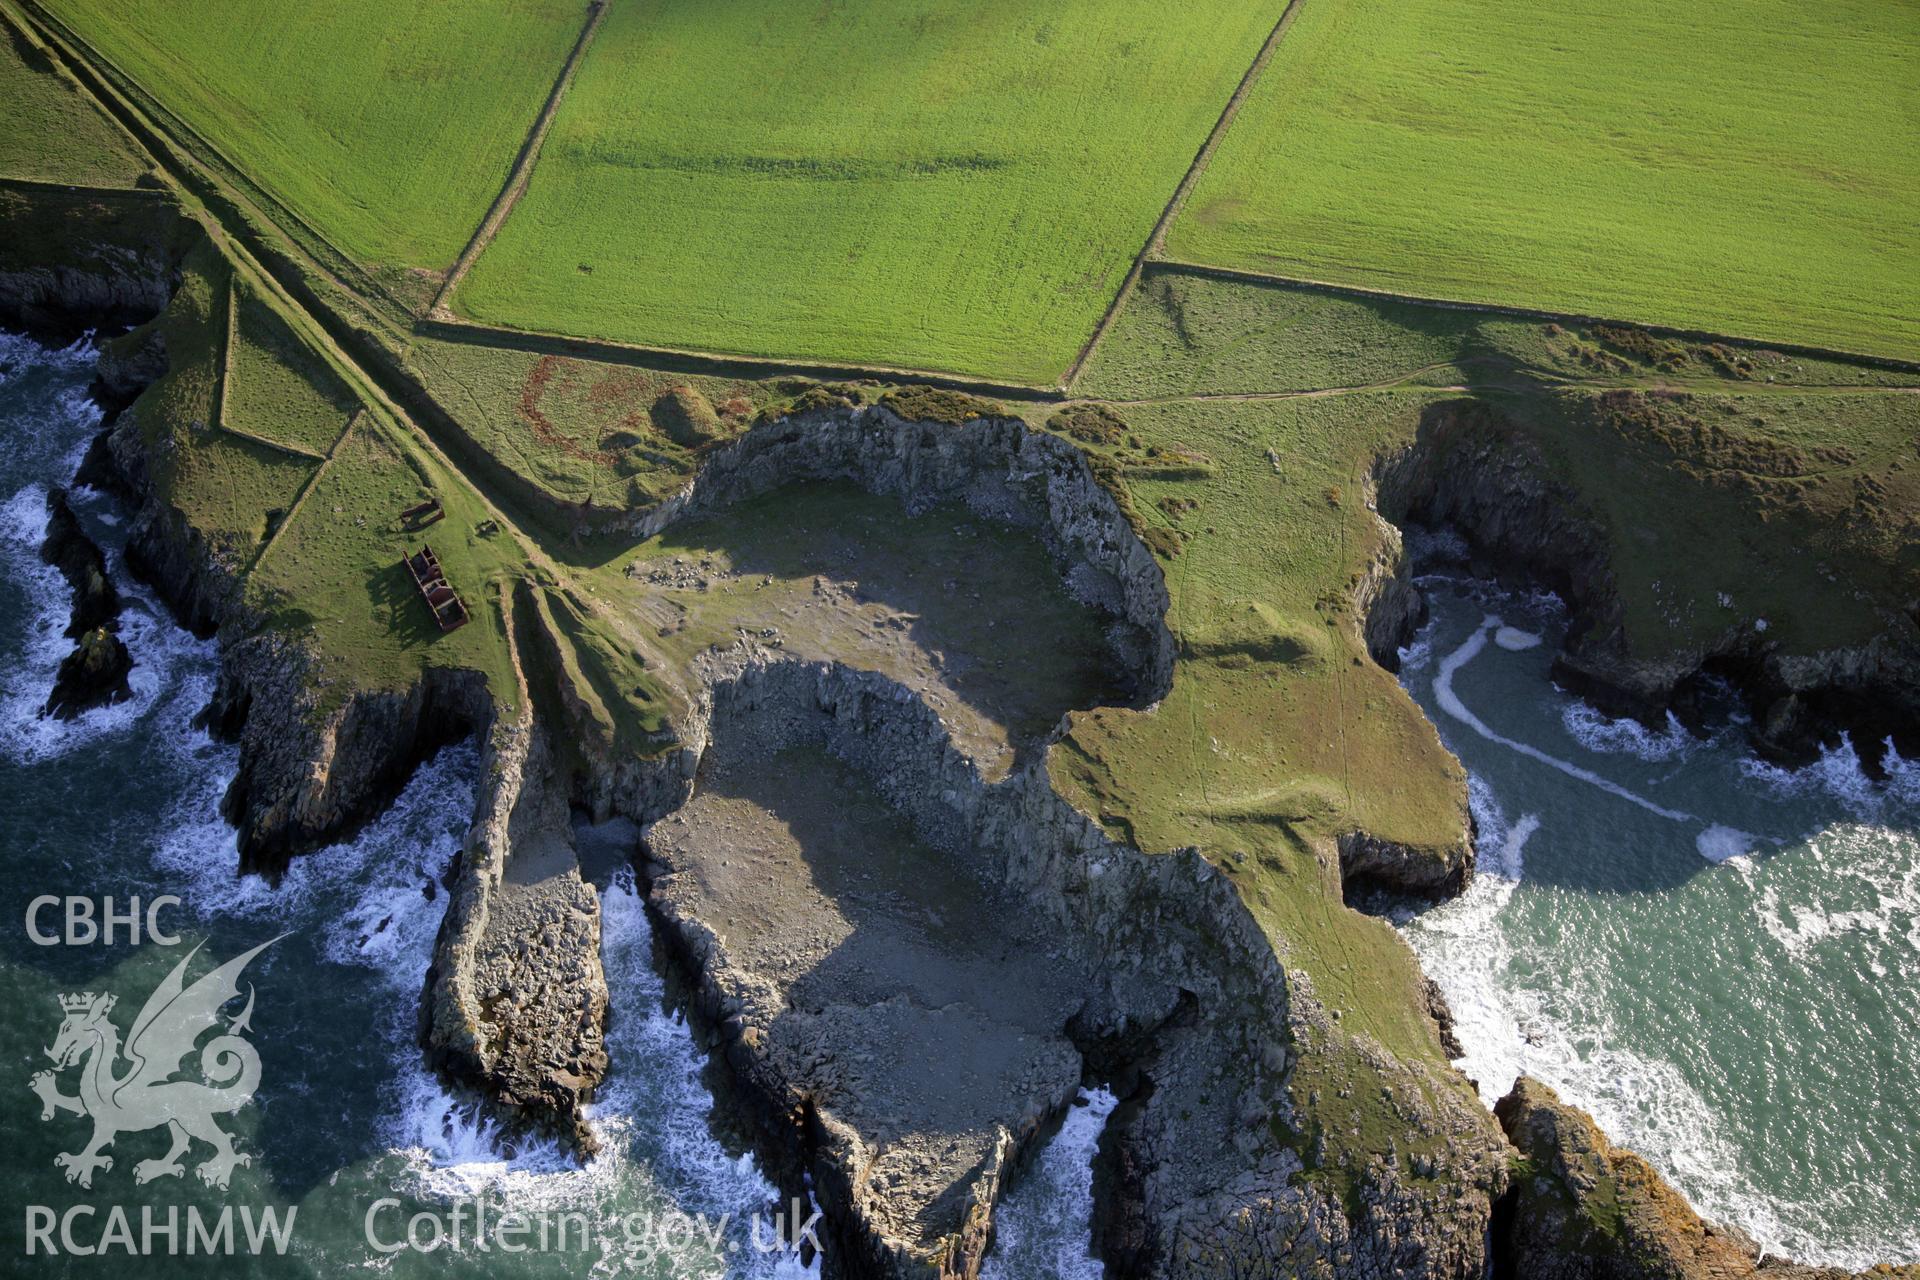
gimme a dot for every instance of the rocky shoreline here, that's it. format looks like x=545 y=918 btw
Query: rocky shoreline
x=1182 y=1002
x=1583 y=1209
x=1176 y=984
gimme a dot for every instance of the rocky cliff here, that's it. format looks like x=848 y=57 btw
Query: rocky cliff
x=1469 y=469
x=1183 y=996
x=1173 y=989
x=1584 y=1209
x=998 y=467
x=1170 y=985
x=77 y=260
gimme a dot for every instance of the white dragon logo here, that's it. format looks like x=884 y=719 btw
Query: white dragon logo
x=146 y=1096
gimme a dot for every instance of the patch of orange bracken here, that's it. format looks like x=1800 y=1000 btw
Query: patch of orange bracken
x=618 y=391
x=546 y=372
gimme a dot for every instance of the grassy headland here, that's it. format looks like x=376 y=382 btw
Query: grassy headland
x=53 y=132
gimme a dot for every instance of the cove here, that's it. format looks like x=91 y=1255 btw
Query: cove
x=1718 y=958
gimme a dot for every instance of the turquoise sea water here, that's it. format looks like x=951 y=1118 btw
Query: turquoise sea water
x=1718 y=958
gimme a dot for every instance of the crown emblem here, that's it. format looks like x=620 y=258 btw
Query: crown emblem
x=148 y=1093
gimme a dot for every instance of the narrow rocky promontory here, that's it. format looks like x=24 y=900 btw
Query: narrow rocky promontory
x=516 y=1002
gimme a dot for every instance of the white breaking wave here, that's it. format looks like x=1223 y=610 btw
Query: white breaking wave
x=47 y=437
x=1869 y=884
x=1044 y=1228
x=1838 y=774
x=369 y=900
x=1450 y=703
x=652 y=1118
x=1417 y=653
x=1719 y=843
x=1601 y=733
x=1514 y=640
x=161 y=651
x=1462 y=947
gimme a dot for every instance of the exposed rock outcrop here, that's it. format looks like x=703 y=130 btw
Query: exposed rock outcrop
x=96 y=602
x=516 y=1002
x=313 y=769
x=72 y=261
x=865 y=980
x=1369 y=864
x=1168 y=983
x=998 y=467
x=1157 y=976
x=1179 y=991
x=1584 y=1209
x=95 y=673
x=1392 y=609
x=316 y=761
x=1469 y=472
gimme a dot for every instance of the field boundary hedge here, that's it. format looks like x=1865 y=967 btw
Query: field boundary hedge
x=522 y=172
x=717 y=364
x=1156 y=238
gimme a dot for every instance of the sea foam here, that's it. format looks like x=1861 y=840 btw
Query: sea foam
x=1044 y=1228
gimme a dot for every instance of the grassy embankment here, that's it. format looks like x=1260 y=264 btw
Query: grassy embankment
x=259 y=456
x=1789 y=483
x=1191 y=334
x=585 y=432
x=1268 y=683
x=1738 y=168
x=55 y=135
x=313 y=531
x=935 y=186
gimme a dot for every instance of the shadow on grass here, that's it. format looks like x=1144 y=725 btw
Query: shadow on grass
x=411 y=622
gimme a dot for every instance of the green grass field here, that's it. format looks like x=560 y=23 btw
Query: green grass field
x=1808 y=501
x=52 y=133
x=927 y=184
x=1749 y=169
x=1277 y=729
x=389 y=125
